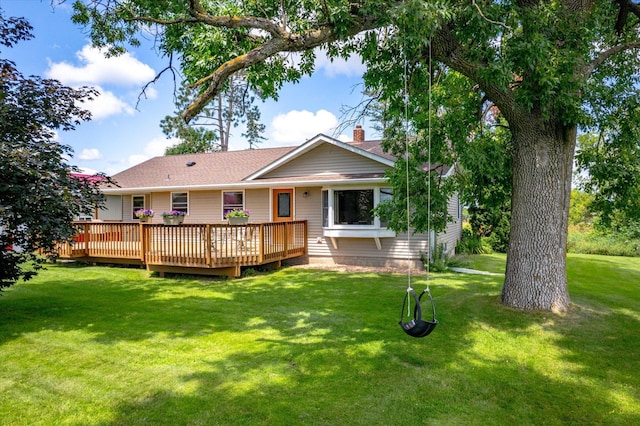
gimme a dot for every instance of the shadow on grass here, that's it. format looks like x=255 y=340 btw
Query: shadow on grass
x=328 y=364
x=326 y=348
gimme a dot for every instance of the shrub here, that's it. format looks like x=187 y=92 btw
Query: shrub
x=585 y=240
x=439 y=262
x=471 y=243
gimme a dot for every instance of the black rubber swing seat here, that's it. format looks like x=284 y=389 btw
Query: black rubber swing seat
x=417 y=327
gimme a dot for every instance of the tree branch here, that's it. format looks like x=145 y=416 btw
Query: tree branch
x=250 y=22
x=447 y=49
x=502 y=24
x=603 y=56
x=157 y=77
x=286 y=42
x=625 y=7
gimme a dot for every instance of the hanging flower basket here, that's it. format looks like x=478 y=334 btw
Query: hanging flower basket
x=174 y=217
x=144 y=215
x=238 y=220
x=237 y=217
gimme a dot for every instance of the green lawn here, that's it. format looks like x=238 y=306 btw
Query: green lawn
x=111 y=346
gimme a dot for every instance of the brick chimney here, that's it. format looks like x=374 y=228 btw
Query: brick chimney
x=358 y=134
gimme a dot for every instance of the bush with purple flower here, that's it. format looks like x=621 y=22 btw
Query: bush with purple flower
x=236 y=213
x=144 y=213
x=173 y=213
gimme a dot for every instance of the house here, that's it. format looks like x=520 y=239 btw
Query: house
x=332 y=185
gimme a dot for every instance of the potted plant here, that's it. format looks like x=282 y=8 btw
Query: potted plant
x=237 y=216
x=144 y=214
x=174 y=217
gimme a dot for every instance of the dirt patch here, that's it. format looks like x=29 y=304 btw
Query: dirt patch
x=354 y=268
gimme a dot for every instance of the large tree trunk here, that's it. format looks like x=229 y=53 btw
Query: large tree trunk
x=536 y=274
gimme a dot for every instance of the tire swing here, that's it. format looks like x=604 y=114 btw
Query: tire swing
x=416 y=326
x=411 y=320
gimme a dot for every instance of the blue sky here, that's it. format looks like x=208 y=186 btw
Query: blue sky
x=125 y=132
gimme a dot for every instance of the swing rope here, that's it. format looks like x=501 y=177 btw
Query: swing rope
x=406 y=167
x=416 y=327
x=431 y=243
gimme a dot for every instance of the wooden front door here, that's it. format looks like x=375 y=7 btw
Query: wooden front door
x=282 y=205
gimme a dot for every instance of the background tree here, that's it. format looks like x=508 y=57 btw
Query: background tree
x=485 y=180
x=193 y=136
x=40 y=193
x=609 y=166
x=211 y=128
x=545 y=65
x=581 y=213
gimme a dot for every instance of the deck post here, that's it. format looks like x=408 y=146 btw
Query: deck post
x=285 y=244
x=305 y=233
x=261 y=245
x=207 y=241
x=86 y=238
x=143 y=243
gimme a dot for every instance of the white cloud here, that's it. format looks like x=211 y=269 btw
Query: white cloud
x=150 y=92
x=90 y=154
x=154 y=148
x=88 y=171
x=157 y=146
x=107 y=104
x=96 y=69
x=56 y=135
x=299 y=126
x=137 y=159
x=352 y=67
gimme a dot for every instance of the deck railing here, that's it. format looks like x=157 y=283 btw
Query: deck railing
x=188 y=245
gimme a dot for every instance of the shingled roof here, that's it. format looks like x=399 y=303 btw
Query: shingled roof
x=232 y=168
x=227 y=167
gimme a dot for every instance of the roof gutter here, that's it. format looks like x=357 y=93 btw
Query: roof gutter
x=243 y=185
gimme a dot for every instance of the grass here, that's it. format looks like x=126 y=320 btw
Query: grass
x=86 y=345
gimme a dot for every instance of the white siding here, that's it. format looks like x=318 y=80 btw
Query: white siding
x=359 y=251
x=309 y=209
x=204 y=207
x=160 y=202
x=453 y=231
x=127 y=208
x=113 y=208
x=327 y=159
x=257 y=202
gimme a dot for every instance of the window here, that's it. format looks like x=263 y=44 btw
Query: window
x=284 y=204
x=180 y=201
x=137 y=203
x=325 y=208
x=386 y=195
x=232 y=200
x=353 y=207
x=348 y=213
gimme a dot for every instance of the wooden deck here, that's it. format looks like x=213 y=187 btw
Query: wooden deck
x=210 y=249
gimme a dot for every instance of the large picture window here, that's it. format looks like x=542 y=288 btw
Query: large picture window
x=353 y=207
x=232 y=200
x=348 y=213
x=180 y=201
x=349 y=207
